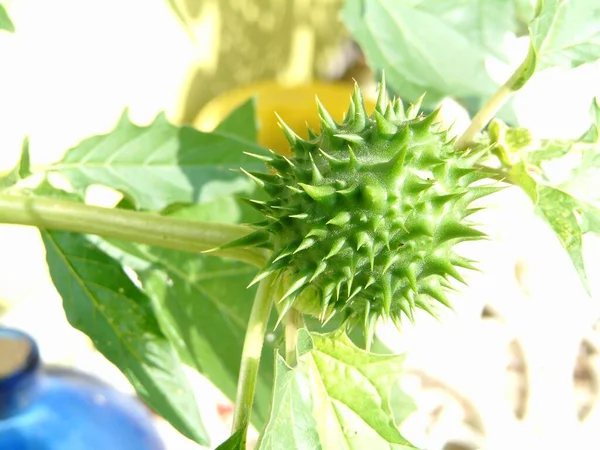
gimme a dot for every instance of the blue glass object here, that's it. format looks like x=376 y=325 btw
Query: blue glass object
x=64 y=410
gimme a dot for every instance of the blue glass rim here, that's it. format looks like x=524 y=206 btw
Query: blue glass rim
x=32 y=361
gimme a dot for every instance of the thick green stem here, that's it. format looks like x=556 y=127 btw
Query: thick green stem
x=493 y=105
x=251 y=352
x=145 y=228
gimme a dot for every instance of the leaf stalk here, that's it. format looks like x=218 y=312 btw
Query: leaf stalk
x=141 y=227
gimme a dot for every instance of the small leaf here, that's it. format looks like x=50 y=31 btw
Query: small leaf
x=100 y=300
x=559 y=210
x=161 y=164
x=21 y=169
x=337 y=395
x=241 y=123
x=235 y=442
x=5 y=22
x=566 y=32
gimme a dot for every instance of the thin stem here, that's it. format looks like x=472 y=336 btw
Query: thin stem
x=145 y=228
x=252 y=350
x=496 y=101
x=293 y=322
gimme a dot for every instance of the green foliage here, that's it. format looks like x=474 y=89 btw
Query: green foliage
x=160 y=164
x=5 y=22
x=338 y=396
x=203 y=302
x=420 y=51
x=362 y=218
x=566 y=32
x=21 y=170
x=568 y=201
x=100 y=300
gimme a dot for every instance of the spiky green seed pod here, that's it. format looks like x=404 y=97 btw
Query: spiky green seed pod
x=364 y=216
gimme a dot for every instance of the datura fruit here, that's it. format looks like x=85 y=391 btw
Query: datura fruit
x=363 y=217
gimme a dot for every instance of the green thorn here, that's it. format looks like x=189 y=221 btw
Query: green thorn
x=398 y=106
x=411 y=274
x=299 y=283
x=393 y=259
x=389 y=113
x=347 y=271
x=326 y=299
x=317 y=177
x=318 y=271
x=333 y=161
x=370 y=281
x=318 y=193
x=355 y=292
x=405 y=307
x=295 y=189
x=352 y=138
x=257 y=180
x=381 y=96
x=327 y=121
x=290 y=135
x=306 y=243
x=283 y=310
x=359 y=119
x=354 y=164
x=336 y=247
x=422 y=303
x=413 y=110
x=424 y=124
x=338 y=289
x=262 y=274
x=320 y=233
x=363 y=238
x=300 y=216
x=284 y=254
x=340 y=219
x=437 y=293
x=387 y=294
x=259 y=157
x=311 y=133
x=383 y=125
x=254 y=239
x=465 y=263
x=349 y=190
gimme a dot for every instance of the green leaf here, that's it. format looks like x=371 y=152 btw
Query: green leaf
x=419 y=51
x=20 y=171
x=566 y=32
x=484 y=23
x=560 y=211
x=242 y=122
x=5 y=22
x=161 y=164
x=100 y=300
x=563 y=180
x=203 y=303
x=338 y=396
x=235 y=442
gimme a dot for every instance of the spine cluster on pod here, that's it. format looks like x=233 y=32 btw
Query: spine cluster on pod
x=364 y=215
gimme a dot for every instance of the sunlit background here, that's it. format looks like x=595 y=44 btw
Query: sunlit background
x=524 y=324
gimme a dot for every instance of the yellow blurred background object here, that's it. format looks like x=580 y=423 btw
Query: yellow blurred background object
x=295 y=105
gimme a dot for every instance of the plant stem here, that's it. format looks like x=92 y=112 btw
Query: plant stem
x=293 y=322
x=496 y=101
x=145 y=228
x=252 y=350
